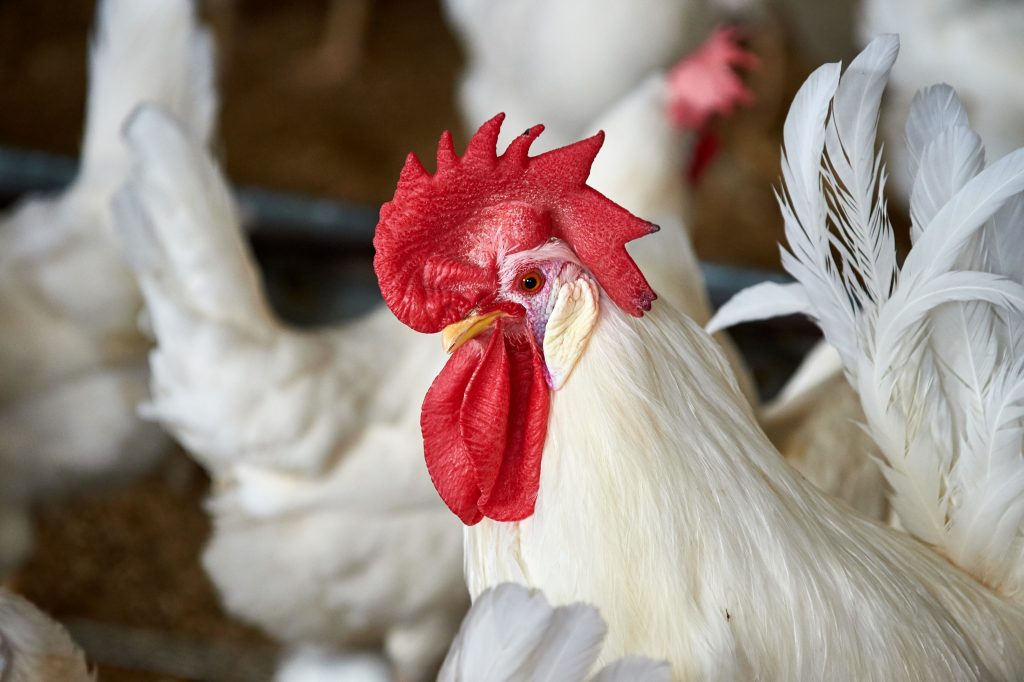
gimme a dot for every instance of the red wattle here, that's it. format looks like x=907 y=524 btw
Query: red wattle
x=484 y=420
x=704 y=152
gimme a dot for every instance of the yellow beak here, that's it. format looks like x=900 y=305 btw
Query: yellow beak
x=454 y=335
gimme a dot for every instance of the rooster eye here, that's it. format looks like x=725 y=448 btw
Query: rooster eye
x=531 y=281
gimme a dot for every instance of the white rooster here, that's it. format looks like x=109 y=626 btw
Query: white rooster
x=326 y=533
x=33 y=648
x=512 y=634
x=660 y=500
x=72 y=362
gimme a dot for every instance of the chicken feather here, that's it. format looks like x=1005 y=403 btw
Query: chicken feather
x=512 y=634
x=936 y=368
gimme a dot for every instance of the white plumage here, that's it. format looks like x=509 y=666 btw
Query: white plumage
x=327 y=530
x=512 y=634
x=33 y=648
x=818 y=426
x=663 y=504
x=72 y=362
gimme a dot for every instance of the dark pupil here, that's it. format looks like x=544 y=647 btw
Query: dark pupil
x=530 y=283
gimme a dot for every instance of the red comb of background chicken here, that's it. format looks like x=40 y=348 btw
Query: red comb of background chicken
x=439 y=239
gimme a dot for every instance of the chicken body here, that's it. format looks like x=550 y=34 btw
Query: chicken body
x=327 y=532
x=318 y=435
x=33 y=648
x=72 y=361
x=817 y=424
x=663 y=504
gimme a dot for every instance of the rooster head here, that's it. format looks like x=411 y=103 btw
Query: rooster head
x=507 y=256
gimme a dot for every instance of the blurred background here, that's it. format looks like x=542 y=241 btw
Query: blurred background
x=321 y=102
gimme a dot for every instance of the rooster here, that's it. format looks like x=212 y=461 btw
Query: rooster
x=33 y=648
x=513 y=634
x=72 y=361
x=606 y=455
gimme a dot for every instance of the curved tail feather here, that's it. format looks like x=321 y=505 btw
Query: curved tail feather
x=932 y=347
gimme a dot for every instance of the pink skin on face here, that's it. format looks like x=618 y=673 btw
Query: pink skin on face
x=551 y=265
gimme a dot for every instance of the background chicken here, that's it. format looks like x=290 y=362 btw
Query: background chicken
x=72 y=363
x=723 y=561
x=33 y=648
x=512 y=633
x=326 y=532
x=567 y=62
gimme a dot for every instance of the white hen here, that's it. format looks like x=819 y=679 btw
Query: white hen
x=72 y=362
x=326 y=528
x=566 y=62
x=33 y=648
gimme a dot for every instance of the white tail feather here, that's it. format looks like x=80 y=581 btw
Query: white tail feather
x=761 y=302
x=512 y=634
x=186 y=241
x=948 y=162
x=933 y=353
x=933 y=110
x=634 y=669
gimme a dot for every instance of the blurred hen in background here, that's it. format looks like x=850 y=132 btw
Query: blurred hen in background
x=565 y=63
x=327 y=530
x=72 y=361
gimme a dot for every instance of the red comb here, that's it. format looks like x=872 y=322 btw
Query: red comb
x=439 y=239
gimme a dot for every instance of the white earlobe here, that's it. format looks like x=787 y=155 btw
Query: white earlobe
x=568 y=330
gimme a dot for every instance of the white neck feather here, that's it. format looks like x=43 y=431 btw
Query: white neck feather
x=662 y=502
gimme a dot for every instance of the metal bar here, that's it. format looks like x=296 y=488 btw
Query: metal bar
x=279 y=214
